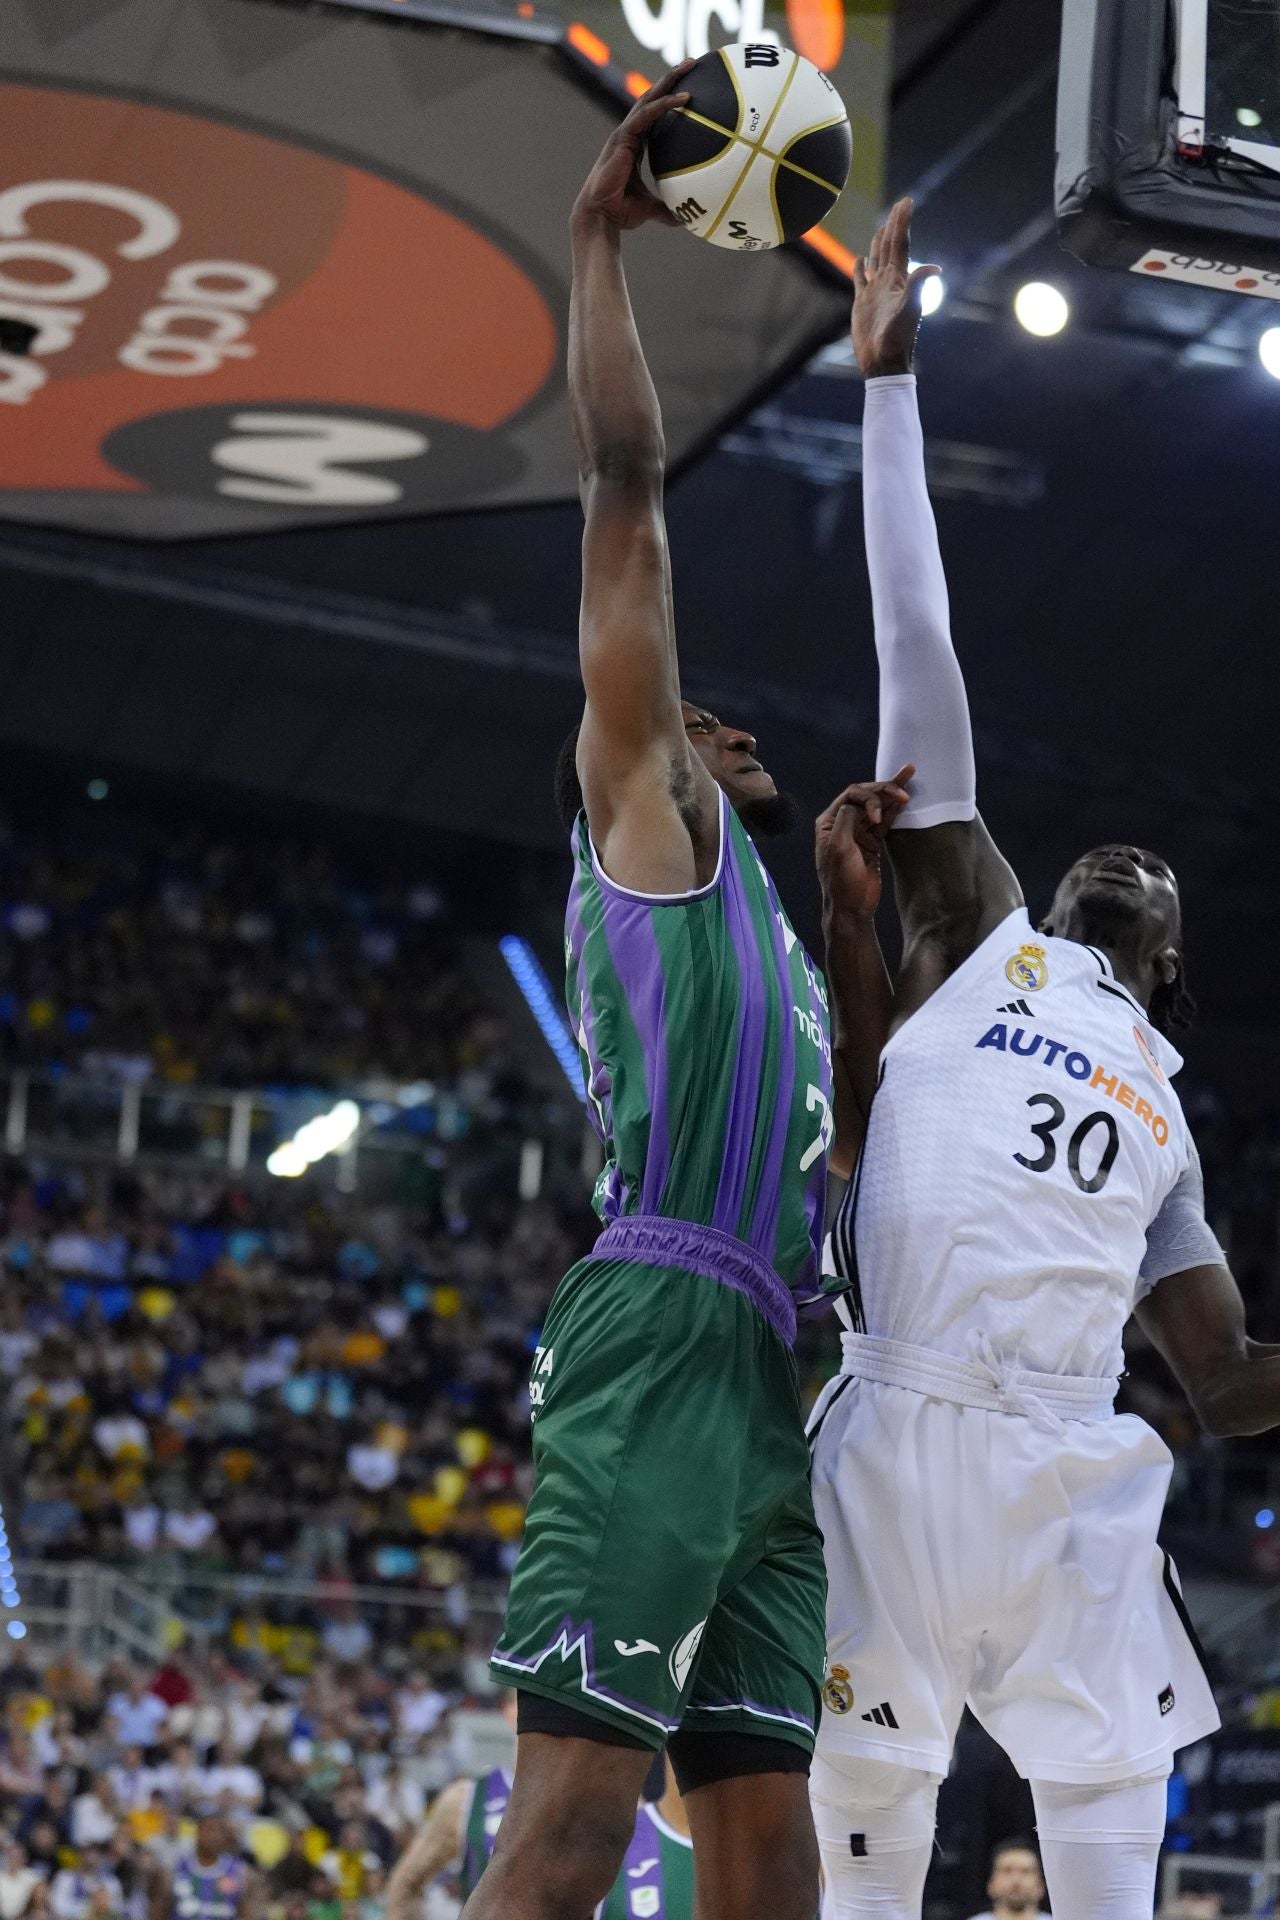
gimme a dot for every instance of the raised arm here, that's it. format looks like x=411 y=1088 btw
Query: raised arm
x=953 y=886
x=651 y=804
x=849 y=839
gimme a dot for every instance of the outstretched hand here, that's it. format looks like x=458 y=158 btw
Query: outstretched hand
x=887 y=294
x=614 y=190
x=849 y=840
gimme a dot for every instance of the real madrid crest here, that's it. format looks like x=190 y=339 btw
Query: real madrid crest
x=1027 y=969
x=837 y=1693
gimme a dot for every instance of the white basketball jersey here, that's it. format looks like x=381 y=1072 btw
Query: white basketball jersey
x=1024 y=1137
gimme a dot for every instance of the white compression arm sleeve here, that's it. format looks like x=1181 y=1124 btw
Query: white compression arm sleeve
x=924 y=712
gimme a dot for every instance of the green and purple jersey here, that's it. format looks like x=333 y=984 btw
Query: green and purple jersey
x=706 y=1053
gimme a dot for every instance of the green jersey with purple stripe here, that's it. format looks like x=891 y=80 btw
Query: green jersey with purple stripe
x=706 y=1052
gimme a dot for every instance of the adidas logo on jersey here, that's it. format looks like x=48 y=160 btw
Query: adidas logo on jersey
x=882 y=1715
x=1019 y=1007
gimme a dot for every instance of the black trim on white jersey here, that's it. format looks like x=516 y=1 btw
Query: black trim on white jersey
x=812 y=1435
x=1109 y=984
x=1174 y=1592
x=844 y=1238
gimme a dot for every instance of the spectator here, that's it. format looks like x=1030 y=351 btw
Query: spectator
x=230 y=1785
x=396 y=1799
x=88 y=1891
x=419 y=1707
x=131 y=1782
x=190 y=1526
x=95 y=1817
x=17 y=1879
x=350 y=1864
x=136 y=1715
x=1016 y=1886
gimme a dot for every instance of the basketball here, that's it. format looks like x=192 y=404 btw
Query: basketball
x=761 y=152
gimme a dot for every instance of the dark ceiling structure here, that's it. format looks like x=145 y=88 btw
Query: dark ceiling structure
x=1106 y=501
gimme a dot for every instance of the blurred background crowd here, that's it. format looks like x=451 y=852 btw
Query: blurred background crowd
x=289 y=1418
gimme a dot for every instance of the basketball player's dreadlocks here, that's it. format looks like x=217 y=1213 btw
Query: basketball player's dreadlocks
x=1172 y=1007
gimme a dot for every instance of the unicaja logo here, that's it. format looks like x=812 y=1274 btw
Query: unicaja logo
x=682 y=1654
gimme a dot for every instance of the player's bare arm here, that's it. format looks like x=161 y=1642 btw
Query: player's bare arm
x=952 y=884
x=433 y=1847
x=652 y=807
x=1195 y=1320
x=849 y=842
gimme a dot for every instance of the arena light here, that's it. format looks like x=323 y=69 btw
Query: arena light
x=1264 y=1518
x=1248 y=116
x=1041 y=309
x=526 y=971
x=1269 y=351
x=10 y=1598
x=327 y=1133
x=933 y=292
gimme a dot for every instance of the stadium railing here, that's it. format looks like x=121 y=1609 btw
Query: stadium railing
x=101 y=1610
x=104 y=1119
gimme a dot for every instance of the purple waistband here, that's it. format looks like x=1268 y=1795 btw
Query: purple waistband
x=705 y=1250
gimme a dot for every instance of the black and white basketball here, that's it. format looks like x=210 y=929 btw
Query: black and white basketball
x=761 y=152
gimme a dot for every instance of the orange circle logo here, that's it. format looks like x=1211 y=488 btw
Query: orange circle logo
x=817 y=30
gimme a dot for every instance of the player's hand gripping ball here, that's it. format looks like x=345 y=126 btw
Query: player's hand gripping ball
x=759 y=154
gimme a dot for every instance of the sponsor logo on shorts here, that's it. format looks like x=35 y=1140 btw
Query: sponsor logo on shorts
x=641 y=1646
x=682 y=1654
x=1166 y=1701
x=837 y=1692
x=882 y=1716
x=645 y=1902
x=1027 y=969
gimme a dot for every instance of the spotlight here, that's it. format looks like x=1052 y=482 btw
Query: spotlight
x=97 y=789
x=1041 y=309
x=527 y=972
x=327 y=1133
x=1248 y=116
x=1269 y=351
x=16 y=1630
x=933 y=292
x=1263 y=1519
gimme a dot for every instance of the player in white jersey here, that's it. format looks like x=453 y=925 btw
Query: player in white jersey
x=1027 y=1181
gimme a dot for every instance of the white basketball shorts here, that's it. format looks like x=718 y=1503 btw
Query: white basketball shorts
x=974 y=1556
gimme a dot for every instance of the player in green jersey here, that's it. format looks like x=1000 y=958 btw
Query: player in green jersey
x=670 y=1586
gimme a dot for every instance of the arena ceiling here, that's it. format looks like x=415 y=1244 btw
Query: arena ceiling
x=1106 y=518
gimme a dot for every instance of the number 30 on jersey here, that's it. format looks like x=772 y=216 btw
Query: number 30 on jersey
x=1095 y=1140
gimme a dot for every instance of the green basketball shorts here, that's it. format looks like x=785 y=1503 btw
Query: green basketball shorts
x=671 y=1573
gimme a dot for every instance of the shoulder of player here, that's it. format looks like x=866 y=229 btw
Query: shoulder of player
x=634 y=843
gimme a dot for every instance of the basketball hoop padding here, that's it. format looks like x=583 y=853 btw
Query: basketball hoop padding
x=1125 y=196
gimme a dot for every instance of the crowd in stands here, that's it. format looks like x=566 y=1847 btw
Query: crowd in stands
x=225 y=1381
x=207 y=1790
x=188 y=958
x=206 y=1381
